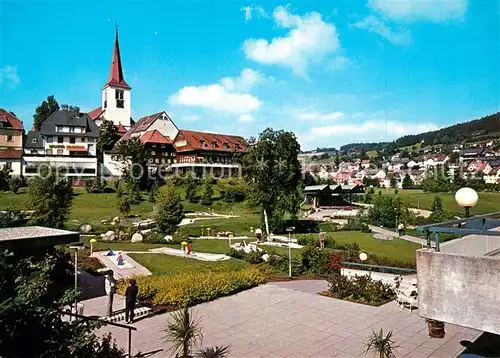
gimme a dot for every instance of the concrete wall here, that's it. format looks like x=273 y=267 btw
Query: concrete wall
x=472 y=245
x=459 y=289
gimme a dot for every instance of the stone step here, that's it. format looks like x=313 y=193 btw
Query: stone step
x=120 y=316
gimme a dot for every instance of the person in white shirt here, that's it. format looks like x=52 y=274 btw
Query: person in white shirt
x=401 y=229
x=110 y=287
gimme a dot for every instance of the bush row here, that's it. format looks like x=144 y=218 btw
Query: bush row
x=362 y=289
x=192 y=288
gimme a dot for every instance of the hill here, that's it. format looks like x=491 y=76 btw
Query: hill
x=479 y=129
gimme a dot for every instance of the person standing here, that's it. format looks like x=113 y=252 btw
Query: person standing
x=130 y=299
x=401 y=229
x=321 y=240
x=110 y=287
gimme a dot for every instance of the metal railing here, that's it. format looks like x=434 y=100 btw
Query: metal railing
x=392 y=268
x=86 y=318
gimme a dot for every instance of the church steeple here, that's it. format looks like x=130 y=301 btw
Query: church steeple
x=116 y=72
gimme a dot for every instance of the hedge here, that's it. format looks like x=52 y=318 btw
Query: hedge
x=189 y=289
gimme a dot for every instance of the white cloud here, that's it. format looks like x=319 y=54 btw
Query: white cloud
x=191 y=118
x=371 y=130
x=309 y=40
x=413 y=10
x=250 y=10
x=319 y=116
x=338 y=63
x=246 y=118
x=9 y=76
x=226 y=96
x=247 y=80
x=373 y=24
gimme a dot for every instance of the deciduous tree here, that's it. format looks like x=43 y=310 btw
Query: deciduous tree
x=168 y=210
x=44 y=110
x=50 y=196
x=273 y=171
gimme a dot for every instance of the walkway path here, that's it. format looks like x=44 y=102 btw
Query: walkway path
x=390 y=233
x=287 y=319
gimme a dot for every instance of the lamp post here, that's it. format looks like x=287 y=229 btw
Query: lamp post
x=77 y=246
x=466 y=198
x=290 y=229
x=92 y=241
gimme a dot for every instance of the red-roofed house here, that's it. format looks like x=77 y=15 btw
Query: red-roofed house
x=11 y=141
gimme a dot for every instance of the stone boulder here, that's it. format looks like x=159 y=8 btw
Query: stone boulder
x=168 y=238
x=104 y=221
x=265 y=257
x=109 y=236
x=137 y=237
x=85 y=228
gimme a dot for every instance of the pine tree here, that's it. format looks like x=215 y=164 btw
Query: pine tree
x=208 y=191
x=407 y=182
x=168 y=211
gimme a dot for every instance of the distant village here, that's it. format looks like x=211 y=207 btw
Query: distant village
x=473 y=161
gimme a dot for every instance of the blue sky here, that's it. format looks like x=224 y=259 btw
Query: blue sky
x=334 y=72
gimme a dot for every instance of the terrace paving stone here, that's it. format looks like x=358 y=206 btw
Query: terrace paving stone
x=273 y=320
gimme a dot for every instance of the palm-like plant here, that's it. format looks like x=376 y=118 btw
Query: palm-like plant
x=184 y=332
x=383 y=345
x=214 y=352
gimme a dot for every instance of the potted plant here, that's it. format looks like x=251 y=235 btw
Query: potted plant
x=381 y=345
x=436 y=328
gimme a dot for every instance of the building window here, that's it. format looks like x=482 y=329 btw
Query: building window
x=163 y=160
x=91 y=147
x=60 y=151
x=49 y=151
x=90 y=140
x=34 y=151
x=153 y=152
x=50 y=139
x=71 y=129
x=225 y=145
x=83 y=139
x=60 y=139
x=10 y=138
x=120 y=102
x=105 y=99
x=164 y=154
x=163 y=145
x=153 y=145
x=214 y=145
x=33 y=140
x=157 y=161
x=202 y=143
x=237 y=146
x=59 y=128
x=72 y=140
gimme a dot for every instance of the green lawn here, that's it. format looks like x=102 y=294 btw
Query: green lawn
x=488 y=202
x=161 y=264
x=399 y=250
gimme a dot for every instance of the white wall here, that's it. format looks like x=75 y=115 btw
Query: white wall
x=91 y=146
x=113 y=166
x=114 y=114
x=77 y=163
x=15 y=165
x=165 y=127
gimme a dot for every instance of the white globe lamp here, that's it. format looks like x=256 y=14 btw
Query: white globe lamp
x=363 y=256
x=466 y=198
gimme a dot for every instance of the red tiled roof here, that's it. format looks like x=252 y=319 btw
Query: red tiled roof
x=494 y=171
x=121 y=129
x=96 y=113
x=154 y=136
x=11 y=153
x=116 y=72
x=194 y=141
x=14 y=123
x=141 y=125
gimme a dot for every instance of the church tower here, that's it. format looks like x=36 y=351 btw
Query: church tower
x=116 y=92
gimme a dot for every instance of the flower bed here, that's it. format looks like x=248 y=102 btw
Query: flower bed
x=193 y=288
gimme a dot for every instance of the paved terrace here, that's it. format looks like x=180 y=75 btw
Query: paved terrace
x=288 y=320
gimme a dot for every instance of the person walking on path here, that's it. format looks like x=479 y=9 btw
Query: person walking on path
x=401 y=229
x=110 y=287
x=130 y=299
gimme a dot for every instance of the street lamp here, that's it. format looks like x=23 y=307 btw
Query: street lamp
x=363 y=256
x=466 y=198
x=77 y=246
x=92 y=241
x=290 y=229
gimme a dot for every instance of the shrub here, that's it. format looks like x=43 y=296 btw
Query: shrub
x=360 y=289
x=352 y=251
x=356 y=225
x=15 y=183
x=191 y=288
x=252 y=257
x=95 y=185
x=11 y=218
x=314 y=261
x=334 y=261
x=189 y=231
x=153 y=237
x=280 y=264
